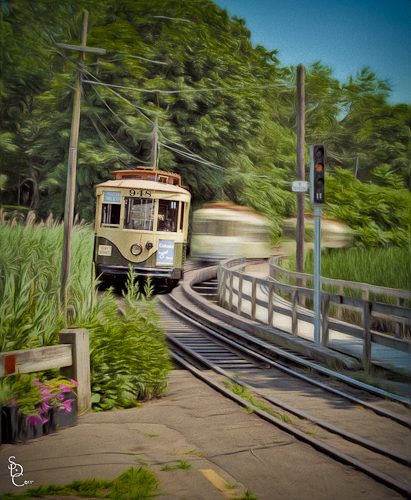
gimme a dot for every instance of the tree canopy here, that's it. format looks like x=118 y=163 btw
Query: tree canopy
x=225 y=111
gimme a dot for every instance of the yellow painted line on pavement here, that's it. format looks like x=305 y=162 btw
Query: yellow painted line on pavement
x=218 y=482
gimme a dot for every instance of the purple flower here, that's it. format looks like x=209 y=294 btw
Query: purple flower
x=67 y=405
x=34 y=419
x=65 y=388
x=45 y=407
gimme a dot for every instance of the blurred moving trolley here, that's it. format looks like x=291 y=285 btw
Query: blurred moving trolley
x=142 y=220
x=222 y=230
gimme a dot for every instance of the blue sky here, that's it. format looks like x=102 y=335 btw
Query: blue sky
x=346 y=35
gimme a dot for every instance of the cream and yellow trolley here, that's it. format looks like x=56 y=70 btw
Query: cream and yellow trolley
x=142 y=220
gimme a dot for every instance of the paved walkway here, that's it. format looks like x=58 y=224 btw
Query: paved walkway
x=228 y=451
x=348 y=344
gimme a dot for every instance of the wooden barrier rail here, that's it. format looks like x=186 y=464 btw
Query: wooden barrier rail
x=388 y=314
x=72 y=357
x=232 y=270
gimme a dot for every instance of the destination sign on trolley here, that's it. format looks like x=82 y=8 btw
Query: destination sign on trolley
x=112 y=197
x=299 y=186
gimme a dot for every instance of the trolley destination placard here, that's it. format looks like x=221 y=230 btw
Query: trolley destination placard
x=112 y=197
x=165 y=253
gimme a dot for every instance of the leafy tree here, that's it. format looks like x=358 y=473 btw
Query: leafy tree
x=225 y=112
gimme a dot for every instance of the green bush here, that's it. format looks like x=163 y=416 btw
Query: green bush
x=129 y=357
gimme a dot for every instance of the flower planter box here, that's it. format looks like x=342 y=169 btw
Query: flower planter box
x=14 y=427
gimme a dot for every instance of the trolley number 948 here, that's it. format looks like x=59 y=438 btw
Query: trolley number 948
x=141 y=193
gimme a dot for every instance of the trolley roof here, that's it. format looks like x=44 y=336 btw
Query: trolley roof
x=149 y=174
x=146 y=178
x=137 y=184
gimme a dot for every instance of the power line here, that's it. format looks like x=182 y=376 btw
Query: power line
x=187 y=154
x=139 y=109
x=115 y=140
x=188 y=90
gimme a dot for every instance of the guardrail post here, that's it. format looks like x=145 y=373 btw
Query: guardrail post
x=80 y=369
x=366 y=357
x=223 y=287
x=339 y=312
x=325 y=323
x=230 y=297
x=400 y=326
x=253 y=296
x=294 y=313
x=365 y=295
x=270 y=305
x=240 y=294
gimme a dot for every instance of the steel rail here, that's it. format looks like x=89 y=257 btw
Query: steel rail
x=366 y=443
x=309 y=364
x=274 y=364
x=381 y=477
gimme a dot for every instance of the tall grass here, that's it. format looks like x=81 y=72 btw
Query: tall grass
x=129 y=357
x=390 y=267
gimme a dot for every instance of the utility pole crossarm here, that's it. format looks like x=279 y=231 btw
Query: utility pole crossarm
x=82 y=48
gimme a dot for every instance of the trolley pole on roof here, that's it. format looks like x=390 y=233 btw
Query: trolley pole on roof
x=300 y=168
x=154 y=144
x=72 y=158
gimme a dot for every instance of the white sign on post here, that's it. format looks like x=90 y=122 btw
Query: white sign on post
x=299 y=186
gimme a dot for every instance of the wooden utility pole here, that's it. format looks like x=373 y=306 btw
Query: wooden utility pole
x=300 y=168
x=72 y=158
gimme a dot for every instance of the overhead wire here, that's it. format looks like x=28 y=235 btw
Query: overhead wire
x=188 y=90
x=187 y=154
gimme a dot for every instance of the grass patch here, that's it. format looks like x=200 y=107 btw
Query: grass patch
x=246 y=496
x=377 y=266
x=133 y=484
x=180 y=464
x=244 y=393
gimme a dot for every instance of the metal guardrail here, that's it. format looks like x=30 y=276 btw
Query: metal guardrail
x=232 y=297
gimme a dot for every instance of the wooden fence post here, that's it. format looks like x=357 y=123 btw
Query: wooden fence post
x=325 y=323
x=400 y=327
x=270 y=305
x=240 y=294
x=80 y=369
x=253 y=297
x=294 y=313
x=230 y=299
x=366 y=357
x=339 y=312
x=223 y=287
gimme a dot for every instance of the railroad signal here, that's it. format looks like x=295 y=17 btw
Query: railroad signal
x=318 y=174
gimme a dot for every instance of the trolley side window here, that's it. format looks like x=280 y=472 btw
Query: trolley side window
x=110 y=214
x=111 y=208
x=167 y=215
x=182 y=216
x=139 y=214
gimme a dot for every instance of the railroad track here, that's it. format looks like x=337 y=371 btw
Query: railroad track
x=345 y=421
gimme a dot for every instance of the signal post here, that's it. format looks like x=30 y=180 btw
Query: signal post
x=317 y=191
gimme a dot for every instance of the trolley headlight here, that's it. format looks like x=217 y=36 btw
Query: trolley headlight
x=149 y=245
x=136 y=249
